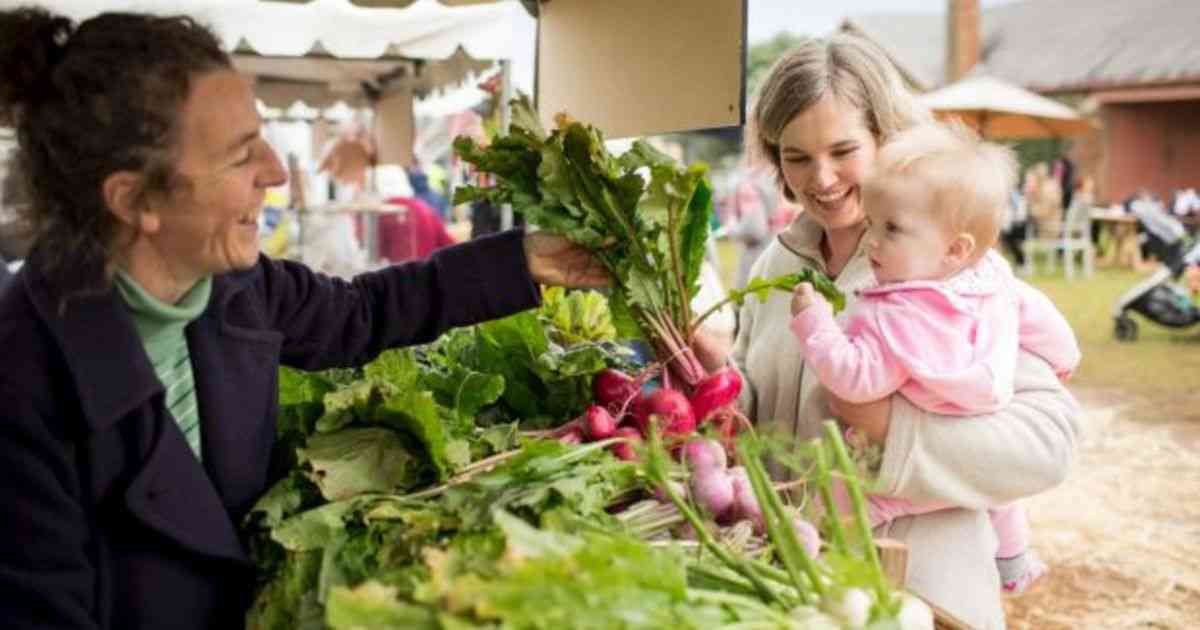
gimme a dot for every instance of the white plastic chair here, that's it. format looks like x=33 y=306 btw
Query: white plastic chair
x=1075 y=237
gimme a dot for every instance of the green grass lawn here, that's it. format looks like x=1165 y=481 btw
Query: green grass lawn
x=1158 y=374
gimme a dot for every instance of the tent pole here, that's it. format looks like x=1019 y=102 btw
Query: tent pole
x=506 y=212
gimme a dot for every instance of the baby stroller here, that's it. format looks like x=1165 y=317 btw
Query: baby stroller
x=1158 y=297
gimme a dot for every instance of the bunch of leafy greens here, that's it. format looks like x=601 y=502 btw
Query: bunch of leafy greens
x=389 y=538
x=412 y=418
x=649 y=233
x=547 y=358
x=544 y=578
x=531 y=544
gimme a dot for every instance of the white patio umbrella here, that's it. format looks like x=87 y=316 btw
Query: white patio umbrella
x=997 y=109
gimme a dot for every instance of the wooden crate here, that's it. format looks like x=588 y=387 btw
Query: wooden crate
x=893 y=555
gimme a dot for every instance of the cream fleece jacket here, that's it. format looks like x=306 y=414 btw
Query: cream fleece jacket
x=976 y=462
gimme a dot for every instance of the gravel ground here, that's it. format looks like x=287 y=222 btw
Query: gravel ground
x=1122 y=535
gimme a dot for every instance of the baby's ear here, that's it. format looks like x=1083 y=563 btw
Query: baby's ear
x=960 y=250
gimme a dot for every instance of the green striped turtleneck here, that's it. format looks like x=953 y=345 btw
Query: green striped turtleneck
x=160 y=326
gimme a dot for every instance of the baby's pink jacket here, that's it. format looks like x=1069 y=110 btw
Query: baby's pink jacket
x=950 y=347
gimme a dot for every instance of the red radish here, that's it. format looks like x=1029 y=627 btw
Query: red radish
x=745 y=505
x=598 y=424
x=717 y=390
x=713 y=489
x=702 y=455
x=571 y=437
x=674 y=412
x=613 y=388
x=808 y=535
x=625 y=450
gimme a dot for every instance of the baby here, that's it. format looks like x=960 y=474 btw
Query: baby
x=944 y=324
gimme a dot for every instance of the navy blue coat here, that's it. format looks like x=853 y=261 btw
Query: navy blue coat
x=108 y=519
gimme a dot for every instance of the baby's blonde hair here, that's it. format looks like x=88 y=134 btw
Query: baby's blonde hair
x=970 y=180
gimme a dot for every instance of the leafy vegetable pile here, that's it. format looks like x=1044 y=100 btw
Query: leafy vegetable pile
x=415 y=497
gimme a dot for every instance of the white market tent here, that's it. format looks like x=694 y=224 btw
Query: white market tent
x=424 y=29
x=325 y=51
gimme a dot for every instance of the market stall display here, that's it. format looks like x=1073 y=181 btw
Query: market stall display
x=535 y=472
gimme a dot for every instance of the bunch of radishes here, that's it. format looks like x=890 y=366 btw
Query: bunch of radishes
x=622 y=409
x=727 y=496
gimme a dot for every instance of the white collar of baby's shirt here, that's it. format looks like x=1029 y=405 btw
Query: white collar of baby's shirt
x=988 y=276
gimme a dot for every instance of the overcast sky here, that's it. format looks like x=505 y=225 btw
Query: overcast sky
x=817 y=17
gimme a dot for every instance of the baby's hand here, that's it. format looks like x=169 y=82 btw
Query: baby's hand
x=803 y=297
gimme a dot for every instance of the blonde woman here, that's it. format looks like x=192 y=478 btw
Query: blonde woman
x=819 y=119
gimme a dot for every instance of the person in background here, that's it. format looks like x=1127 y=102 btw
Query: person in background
x=943 y=325
x=422 y=190
x=1015 y=226
x=1185 y=202
x=348 y=159
x=1044 y=196
x=748 y=212
x=819 y=117
x=413 y=234
x=143 y=335
x=1064 y=174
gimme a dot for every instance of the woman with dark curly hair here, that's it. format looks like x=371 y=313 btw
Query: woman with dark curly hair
x=142 y=336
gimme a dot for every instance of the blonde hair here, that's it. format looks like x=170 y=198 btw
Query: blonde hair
x=969 y=180
x=851 y=68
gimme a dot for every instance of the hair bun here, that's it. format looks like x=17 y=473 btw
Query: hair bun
x=32 y=41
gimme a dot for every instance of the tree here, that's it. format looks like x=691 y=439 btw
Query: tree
x=763 y=55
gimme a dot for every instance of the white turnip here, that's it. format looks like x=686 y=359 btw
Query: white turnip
x=704 y=454
x=851 y=607
x=914 y=614
x=713 y=490
x=745 y=504
x=808 y=535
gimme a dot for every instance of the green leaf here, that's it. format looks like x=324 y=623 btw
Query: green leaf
x=464 y=390
x=395 y=367
x=283 y=499
x=350 y=403
x=525 y=118
x=761 y=287
x=354 y=461
x=374 y=606
x=500 y=438
x=622 y=317
x=694 y=234
x=289 y=600
x=596 y=581
x=316 y=528
x=299 y=388
x=417 y=414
